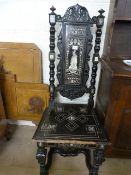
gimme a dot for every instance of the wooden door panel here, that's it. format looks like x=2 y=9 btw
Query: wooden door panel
x=32 y=99
x=23 y=101
x=123 y=137
x=23 y=60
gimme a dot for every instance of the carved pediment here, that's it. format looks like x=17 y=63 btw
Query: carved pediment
x=77 y=13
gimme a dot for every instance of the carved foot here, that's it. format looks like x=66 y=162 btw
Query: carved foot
x=41 y=157
x=93 y=171
x=94 y=158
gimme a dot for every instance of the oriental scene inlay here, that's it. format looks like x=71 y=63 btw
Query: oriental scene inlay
x=74 y=53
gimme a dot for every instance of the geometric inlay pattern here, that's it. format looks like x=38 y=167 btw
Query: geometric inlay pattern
x=71 y=119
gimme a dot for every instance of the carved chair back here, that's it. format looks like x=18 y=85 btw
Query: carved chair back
x=74 y=45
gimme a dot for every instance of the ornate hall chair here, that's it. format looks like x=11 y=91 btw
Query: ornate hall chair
x=65 y=128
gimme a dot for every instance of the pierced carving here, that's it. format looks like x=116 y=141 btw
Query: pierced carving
x=77 y=13
x=66 y=151
x=72 y=93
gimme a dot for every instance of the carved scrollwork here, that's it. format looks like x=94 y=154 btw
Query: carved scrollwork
x=72 y=93
x=74 y=44
x=67 y=151
x=77 y=13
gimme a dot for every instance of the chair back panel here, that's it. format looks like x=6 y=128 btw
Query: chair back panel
x=74 y=45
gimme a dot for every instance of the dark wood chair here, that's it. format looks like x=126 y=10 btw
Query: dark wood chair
x=70 y=129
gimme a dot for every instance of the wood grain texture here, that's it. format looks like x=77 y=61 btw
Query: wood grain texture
x=57 y=141
x=114 y=97
x=7 y=85
x=23 y=60
x=2 y=110
x=38 y=93
x=16 y=98
x=3 y=124
x=114 y=94
x=120 y=41
x=123 y=8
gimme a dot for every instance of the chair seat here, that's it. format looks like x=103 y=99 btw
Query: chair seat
x=70 y=122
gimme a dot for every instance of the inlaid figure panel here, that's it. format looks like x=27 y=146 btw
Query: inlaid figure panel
x=74 y=43
x=70 y=129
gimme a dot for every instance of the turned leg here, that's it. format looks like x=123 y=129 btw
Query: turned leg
x=41 y=157
x=49 y=160
x=94 y=158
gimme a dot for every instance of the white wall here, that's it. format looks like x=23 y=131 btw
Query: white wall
x=27 y=21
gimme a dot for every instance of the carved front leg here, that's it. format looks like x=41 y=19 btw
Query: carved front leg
x=41 y=157
x=94 y=158
x=49 y=160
